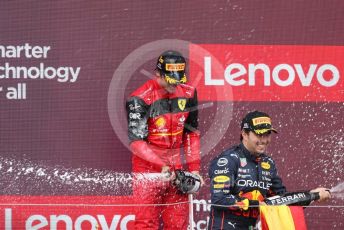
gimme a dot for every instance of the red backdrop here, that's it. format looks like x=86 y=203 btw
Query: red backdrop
x=62 y=127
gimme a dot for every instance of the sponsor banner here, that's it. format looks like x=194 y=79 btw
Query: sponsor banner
x=267 y=72
x=27 y=212
x=79 y=212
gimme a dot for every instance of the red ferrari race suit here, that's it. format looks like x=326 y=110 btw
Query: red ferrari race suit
x=159 y=125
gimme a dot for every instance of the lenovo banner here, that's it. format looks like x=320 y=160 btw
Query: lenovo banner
x=268 y=72
x=66 y=213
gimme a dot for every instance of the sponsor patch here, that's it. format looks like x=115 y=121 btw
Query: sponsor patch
x=266 y=173
x=181 y=104
x=218 y=185
x=175 y=67
x=234 y=155
x=266 y=178
x=221 y=171
x=243 y=162
x=246 y=126
x=134 y=107
x=265 y=165
x=261 y=120
x=261 y=131
x=134 y=115
x=222 y=161
x=244 y=175
x=221 y=179
x=244 y=170
x=253 y=184
x=160 y=122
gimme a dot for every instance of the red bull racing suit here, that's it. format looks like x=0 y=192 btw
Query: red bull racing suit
x=159 y=125
x=240 y=179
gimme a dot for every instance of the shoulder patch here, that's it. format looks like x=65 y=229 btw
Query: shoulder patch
x=144 y=92
x=222 y=162
x=234 y=155
x=188 y=90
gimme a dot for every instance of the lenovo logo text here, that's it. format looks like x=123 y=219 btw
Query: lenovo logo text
x=236 y=74
x=40 y=221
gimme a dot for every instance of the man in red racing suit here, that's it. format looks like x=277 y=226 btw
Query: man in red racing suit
x=163 y=119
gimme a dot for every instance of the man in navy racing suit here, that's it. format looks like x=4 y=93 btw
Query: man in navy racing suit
x=243 y=176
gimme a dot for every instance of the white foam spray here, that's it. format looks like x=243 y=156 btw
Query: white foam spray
x=338 y=191
x=26 y=177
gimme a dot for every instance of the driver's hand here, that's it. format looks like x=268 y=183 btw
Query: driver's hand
x=166 y=173
x=324 y=193
x=201 y=178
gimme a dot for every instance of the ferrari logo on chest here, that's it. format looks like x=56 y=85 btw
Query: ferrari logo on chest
x=181 y=104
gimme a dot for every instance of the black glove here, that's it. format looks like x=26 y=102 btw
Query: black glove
x=187 y=182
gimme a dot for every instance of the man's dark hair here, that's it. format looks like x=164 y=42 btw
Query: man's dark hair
x=246 y=131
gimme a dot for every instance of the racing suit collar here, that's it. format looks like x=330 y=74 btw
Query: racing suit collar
x=248 y=154
x=163 y=91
